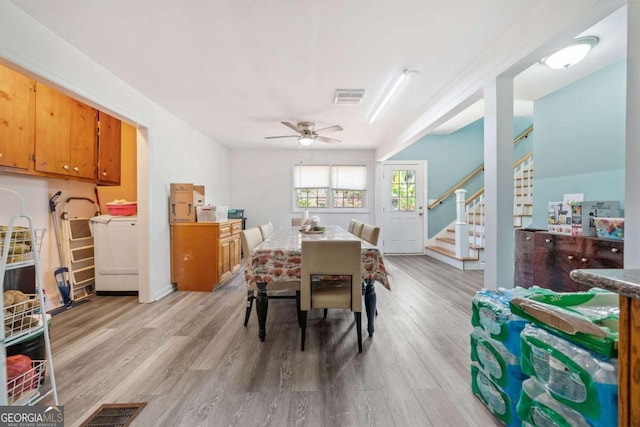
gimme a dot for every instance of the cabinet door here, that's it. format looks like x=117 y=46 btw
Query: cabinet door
x=17 y=118
x=552 y=269
x=523 y=271
x=194 y=255
x=82 y=147
x=225 y=247
x=109 y=140
x=65 y=141
x=235 y=253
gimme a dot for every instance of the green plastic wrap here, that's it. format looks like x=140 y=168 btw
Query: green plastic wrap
x=589 y=318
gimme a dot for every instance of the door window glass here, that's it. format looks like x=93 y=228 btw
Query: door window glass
x=403 y=190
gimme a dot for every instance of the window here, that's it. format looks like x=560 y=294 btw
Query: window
x=323 y=186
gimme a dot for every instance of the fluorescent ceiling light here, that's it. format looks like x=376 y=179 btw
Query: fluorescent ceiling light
x=305 y=140
x=570 y=54
x=394 y=88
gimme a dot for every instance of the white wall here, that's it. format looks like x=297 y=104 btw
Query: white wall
x=176 y=151
x=262 y=180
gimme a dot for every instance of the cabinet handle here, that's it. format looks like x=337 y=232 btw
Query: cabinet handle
x=528 y=238
x=0 y=155
x=584 y=259
x=547 y=240
x=65 y=167
x=570 y=257
x=76 y=169
x=104 y=174
x=614 y=250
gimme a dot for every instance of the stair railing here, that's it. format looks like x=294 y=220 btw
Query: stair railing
x=523 y=195
x=523 y=187
x=469 y=217
x=475 y=216
x=472 y=175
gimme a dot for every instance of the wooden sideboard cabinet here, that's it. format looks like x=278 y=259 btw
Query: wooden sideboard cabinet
x=204 y=254
x=555 y=255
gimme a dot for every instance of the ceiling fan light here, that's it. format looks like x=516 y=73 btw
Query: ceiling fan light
x=305 y=140
x=570 y=54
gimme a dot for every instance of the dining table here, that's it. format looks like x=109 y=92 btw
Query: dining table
x=278 y=261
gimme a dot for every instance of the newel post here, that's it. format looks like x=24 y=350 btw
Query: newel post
x=461 y=226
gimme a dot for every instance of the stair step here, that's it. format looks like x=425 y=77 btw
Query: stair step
x=447 y=240
x=471 y=232
x=449 y=253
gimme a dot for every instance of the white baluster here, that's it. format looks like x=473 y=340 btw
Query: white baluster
x=461 y=226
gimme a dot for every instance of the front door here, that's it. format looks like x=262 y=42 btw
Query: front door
x=403 y=216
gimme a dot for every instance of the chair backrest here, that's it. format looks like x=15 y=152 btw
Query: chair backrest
x=351 y=224
x=250 y=238
x=357 y=228
x=331 y=257
x=296 y=222
x=266 y=230
x=370 y=234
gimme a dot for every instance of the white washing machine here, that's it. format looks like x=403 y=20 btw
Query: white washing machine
x=115 y=240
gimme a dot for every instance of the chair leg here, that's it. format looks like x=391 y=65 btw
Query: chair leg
x=359 y=330
x=303 y=333
x=298 y=309
x=250 y=298
x=325 y=312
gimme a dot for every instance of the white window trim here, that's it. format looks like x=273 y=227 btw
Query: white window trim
x=331 y=210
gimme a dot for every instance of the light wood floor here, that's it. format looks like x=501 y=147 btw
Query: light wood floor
x=190 y=358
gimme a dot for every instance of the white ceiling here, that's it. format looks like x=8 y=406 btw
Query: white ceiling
x=236 y=68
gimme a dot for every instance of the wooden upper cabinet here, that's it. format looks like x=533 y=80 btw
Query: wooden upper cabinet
x=17 y=118
x=65 y=135
x=109 y=139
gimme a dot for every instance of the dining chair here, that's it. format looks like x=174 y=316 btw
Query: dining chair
x=296 y=222
x=338 y=259
x=351 y=224
x=370 y=234
x=357 y=228
x=266 y=230
x=249 y=239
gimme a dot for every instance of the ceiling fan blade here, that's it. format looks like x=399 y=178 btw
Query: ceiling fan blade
x=291 y=126
x=283 y=136
x=325 y=139
x=335 y=128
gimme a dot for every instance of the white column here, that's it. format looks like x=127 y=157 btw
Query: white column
x=461 y=226
x=632 y=149
x=498 y=183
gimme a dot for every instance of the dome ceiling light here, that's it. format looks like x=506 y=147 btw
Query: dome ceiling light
x=571 y=54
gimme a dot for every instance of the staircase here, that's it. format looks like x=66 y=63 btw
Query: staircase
x=470 y=222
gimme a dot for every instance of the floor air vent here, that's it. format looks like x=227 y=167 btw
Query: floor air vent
x=114 y=415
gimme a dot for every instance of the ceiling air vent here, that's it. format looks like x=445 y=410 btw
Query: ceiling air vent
x=348 y=96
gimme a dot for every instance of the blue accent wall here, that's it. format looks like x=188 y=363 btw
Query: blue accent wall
x=450 y=158
x=580 y=141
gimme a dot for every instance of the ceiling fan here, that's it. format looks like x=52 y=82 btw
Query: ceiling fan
x=307 y=134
